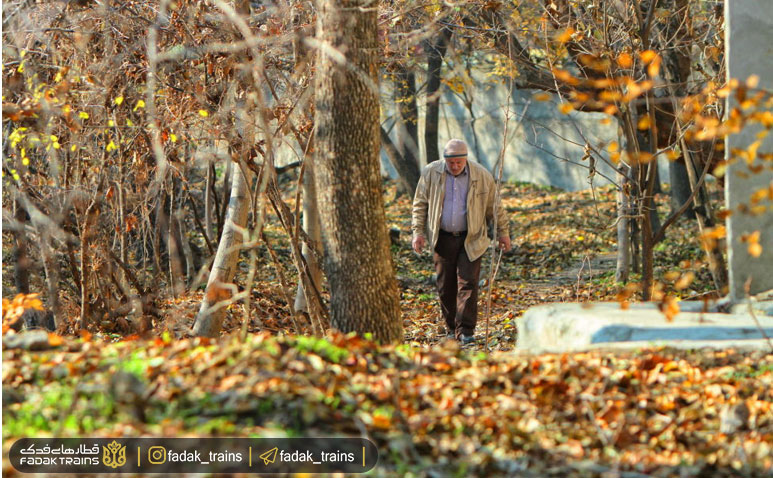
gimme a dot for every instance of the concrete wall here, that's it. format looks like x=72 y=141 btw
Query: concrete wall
x=544 y=146
x=749 y=44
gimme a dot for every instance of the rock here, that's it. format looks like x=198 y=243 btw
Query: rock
x=128 y=390
x=733 y=418
x=34 y=339
x=11 y=396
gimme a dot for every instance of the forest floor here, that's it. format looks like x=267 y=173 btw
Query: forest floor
x=432 y=408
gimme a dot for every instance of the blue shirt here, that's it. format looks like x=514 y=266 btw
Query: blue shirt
x=454 y=216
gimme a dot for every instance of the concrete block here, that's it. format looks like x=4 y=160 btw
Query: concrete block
x=572 y=327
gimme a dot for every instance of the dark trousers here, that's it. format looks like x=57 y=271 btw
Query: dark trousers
x=457 y=284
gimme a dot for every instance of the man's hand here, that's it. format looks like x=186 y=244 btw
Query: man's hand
x=418 y=244
x=504 y=243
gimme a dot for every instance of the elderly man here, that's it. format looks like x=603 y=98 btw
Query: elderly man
x=454 y=203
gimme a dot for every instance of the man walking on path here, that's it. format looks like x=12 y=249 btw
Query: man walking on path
x=454 y=203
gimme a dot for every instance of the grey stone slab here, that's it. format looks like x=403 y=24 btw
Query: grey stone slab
x=571 y=327
x=749 y=44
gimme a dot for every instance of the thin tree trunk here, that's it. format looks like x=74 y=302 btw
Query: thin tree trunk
x=407 y=126
x=209 y=203
x=51 y=267
x=209 y=320
x=173 y=249
x=408 y=176
x=680 y=187
x=716 y=261
x=312 y=227
x=225 y=203
x=623 y=229
x=23 y=261
x=363 y=290
x=435 y=53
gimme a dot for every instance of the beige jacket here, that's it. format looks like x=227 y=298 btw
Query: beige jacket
x=428 y=207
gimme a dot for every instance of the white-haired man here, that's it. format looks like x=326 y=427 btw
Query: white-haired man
x=453 y=205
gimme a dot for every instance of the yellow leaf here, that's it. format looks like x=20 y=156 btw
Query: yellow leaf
x=753 y=81
x=118 y=100
x=613 y=147
x=542 y=97
x=565 y=108
x=644 y=123
x=140 y=104
x=755 y=250
x=203 y=113
x=83 y=115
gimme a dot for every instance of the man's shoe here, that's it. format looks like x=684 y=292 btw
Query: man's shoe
x=466 y=339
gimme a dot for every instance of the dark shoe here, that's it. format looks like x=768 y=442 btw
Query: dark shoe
x=467 y=340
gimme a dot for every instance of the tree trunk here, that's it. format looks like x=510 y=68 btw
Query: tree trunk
x=408 y=174
x=173 y=248
x=312 y=227
x=623 y=229
x=363 y=290
x=23 y=261
x=407 y=125
x=435 y=52
x=209 y=320
x=680 y=187
x=209 y=203
x=705 y=220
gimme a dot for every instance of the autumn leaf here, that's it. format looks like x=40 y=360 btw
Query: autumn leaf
x=624 y=60
x=565 y=35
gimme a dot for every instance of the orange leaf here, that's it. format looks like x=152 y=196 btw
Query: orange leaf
x=382 y=421
x=55 y=340
x=565 y=36
x=647 y=56
x=625 y=60
x=565 y=108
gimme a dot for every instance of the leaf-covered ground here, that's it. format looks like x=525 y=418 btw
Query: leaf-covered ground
x=437 y=411
x=433 y=409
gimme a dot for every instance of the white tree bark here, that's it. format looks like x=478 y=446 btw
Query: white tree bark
x=312 y=228
x=220 y=288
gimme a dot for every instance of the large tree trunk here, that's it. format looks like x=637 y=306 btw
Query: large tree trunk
x=435 y=52
x=209 y=320
x=363 y=290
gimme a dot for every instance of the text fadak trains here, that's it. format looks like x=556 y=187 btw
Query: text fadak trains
x=302 y=456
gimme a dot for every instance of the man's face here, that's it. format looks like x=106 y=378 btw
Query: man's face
x=456 y=165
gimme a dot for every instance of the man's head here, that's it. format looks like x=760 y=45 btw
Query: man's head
x=455 y=154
